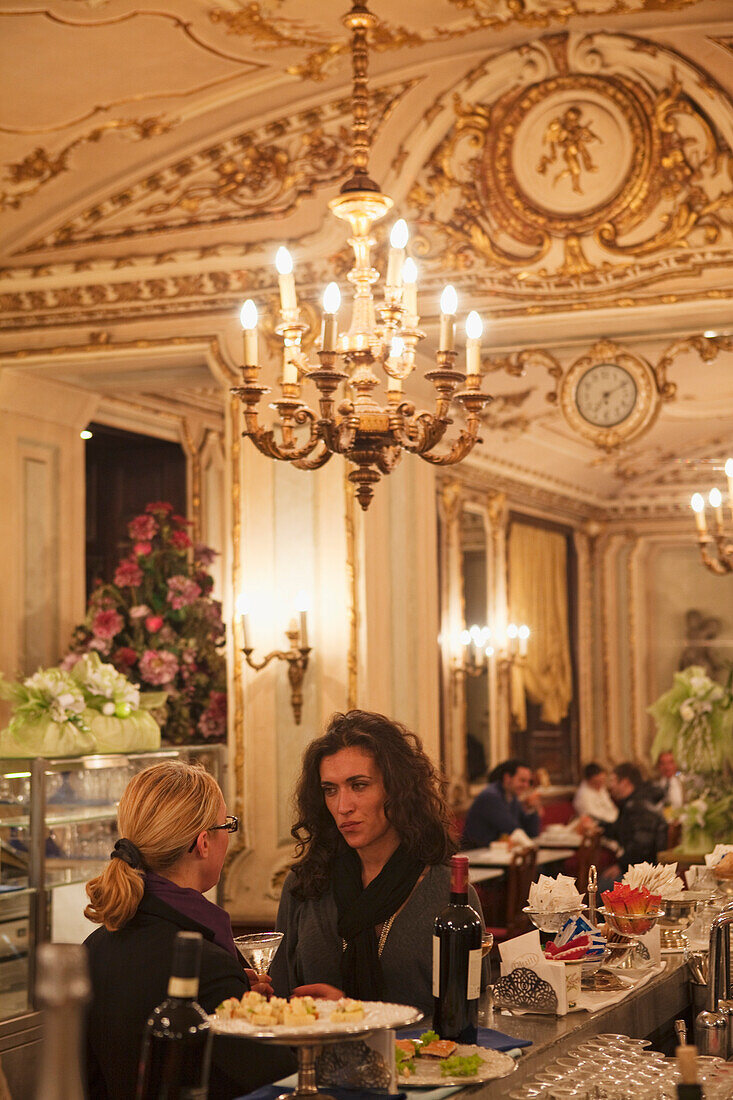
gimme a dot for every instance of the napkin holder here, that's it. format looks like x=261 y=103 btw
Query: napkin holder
x=364 y=1062
x=529 y=981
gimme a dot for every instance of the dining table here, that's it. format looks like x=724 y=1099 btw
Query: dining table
x=502 y=856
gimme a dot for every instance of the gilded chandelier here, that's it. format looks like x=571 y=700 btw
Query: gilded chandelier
x=369 y=434
x=721 y=562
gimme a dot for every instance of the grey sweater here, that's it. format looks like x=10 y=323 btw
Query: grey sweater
x=311 y=949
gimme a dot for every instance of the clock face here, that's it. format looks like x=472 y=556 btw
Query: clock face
x=606 y=395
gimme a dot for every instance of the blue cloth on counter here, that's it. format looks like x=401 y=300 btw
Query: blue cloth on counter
x=487 y=1037
x=270 y=1092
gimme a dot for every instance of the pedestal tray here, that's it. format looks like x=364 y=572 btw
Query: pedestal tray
x=378 y=1016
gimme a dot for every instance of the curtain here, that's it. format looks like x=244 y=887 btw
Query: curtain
x=539 y=597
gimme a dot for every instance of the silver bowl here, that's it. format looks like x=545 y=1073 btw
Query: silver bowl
x=631 y=925
x=547 y=921
x=679 y=913
x=589 y=966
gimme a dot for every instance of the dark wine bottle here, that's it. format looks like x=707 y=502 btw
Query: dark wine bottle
x=176 y=1052
x=457 y=961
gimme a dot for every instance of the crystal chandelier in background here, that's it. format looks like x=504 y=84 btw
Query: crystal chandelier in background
x=379 y=346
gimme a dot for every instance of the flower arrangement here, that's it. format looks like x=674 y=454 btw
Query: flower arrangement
x=89 y=708
x=158 y=624
x=694 y=720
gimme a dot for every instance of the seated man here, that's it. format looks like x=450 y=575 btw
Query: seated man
x=667 y=790
x=592 y=798
x=506 y=804
x=639 y=830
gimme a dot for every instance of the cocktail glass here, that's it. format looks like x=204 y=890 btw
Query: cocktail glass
x=258 y=949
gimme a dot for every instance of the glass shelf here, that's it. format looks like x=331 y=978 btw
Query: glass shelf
x=56 y=816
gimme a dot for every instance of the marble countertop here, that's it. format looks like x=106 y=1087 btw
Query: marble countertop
x=639 y=1014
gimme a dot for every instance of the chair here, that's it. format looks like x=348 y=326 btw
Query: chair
x=588 y=852
x=519 y=876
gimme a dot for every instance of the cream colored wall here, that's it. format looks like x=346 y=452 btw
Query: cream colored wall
x=42 y=505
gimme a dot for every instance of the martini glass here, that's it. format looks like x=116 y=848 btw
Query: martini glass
x=258 y=949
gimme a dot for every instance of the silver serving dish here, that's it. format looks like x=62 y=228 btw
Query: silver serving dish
x=678 y=915
x=547 y=921
x=632 y=925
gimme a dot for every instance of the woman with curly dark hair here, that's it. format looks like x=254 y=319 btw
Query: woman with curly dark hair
x=371 y=870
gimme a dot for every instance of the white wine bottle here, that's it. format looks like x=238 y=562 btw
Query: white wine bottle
x=176 y=1052
x=62 y=991
x=457 y=961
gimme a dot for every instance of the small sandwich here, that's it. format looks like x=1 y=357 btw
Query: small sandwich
x=300 y=1012
x=266 y=1014
x=406 y=1046
x=439 y=1048
x=347 y=1011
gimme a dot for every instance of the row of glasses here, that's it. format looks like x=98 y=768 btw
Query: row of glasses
x=617 y=1067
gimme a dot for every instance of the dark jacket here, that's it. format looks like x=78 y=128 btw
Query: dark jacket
x=492 y=815
x=638 y=829
x=130 y=971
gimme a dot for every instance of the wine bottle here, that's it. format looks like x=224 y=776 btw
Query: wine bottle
x=62 y=990
x=457 y=961
x=688 y=1088
x=176 y=1052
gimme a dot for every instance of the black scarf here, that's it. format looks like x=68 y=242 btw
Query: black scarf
x=361 y=908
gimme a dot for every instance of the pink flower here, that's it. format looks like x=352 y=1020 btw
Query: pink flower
x=182 y=592
x=101 y=645
x=153 y=623
x=143 y=527
x=180 y=540
x=139 y=611
x=204 y=555
x=213 y=721
x=128 y=574
x=69 y=661
x=125 y=656
x=142 y=549
x=158 y=666
x=159 y=506
x=106 y=624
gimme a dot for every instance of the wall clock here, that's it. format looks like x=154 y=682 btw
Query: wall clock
x=609 y=396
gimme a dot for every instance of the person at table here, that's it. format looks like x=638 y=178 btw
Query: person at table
x=639 y=830
x=371 y=870
x=592 y=799
x=174 y=833
x=506 y=804
x=667 y=791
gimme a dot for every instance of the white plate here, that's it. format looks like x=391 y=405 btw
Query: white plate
x=427 y=1070
x=377 y=1016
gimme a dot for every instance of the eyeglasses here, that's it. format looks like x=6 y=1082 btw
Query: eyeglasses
x=231 y=824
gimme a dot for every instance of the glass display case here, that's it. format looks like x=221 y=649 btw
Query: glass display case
x=58 y=825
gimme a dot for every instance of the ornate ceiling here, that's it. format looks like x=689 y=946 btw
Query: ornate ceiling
x=567 y=164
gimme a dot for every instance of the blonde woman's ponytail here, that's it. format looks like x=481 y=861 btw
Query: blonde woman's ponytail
x=162 y=810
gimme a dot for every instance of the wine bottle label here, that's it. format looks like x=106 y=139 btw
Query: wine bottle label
x=436 y=966
x=473 y=991
x=183 y=987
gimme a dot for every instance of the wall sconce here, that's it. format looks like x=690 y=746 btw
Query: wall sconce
x=296 y=655
x=478 y=645
x=722 y=562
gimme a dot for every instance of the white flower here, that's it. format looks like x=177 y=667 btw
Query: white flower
x=687 y=712
x=700 y=685
x=108 y=708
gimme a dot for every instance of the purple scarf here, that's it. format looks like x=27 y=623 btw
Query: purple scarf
x=192 y=904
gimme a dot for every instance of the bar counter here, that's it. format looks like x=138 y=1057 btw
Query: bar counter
x=640 y=1014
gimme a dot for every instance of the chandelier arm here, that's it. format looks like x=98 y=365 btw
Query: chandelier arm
x=462 y=447
x=264 y=439
x=422 y=432
x=314 y=463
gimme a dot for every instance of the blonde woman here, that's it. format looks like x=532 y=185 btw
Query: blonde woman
x=174 y=832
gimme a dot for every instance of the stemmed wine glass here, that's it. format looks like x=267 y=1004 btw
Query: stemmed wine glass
x=258 y=949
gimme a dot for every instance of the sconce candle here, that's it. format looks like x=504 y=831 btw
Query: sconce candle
x=248 y=320
x=302 y=604
x=397 y=239
x=331 y=303
x=242 y=613
x=698 y=506
x=448 y=307
x=715 y=500
x=284 y=265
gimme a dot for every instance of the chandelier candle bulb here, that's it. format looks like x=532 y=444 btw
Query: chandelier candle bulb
x=409 y=295
x=290 y=369
x=474 y=331
x=397 y=240
x=448 y=307
x=331 y=303
x=284 y=265
x=248 y=321
x=698 y=506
